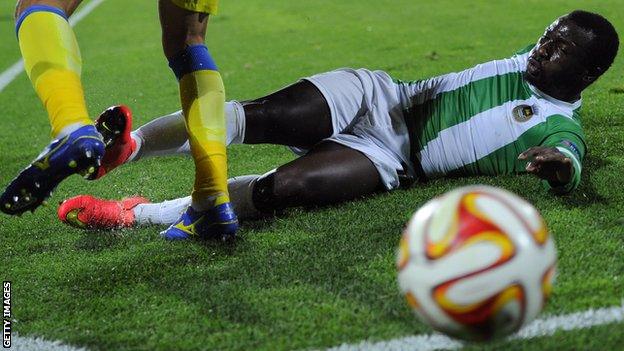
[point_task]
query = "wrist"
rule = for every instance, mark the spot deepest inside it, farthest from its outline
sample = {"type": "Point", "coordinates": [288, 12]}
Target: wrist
{"type": "Point", "coordinates": [566, 174]}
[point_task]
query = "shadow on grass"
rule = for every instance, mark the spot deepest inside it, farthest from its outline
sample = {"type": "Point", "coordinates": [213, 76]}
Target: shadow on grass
{"type": "Point", "coordinates": [319, 260]}
{"type": "Point", "coordinates": [260, 224]}
{"type": "Point", "coordinates": [102, 240]}
{"type": "Point", "coordinates": [531, 188]}
{"type": "Point", "coordinates": [335, 262]}
{"type": "Point", "coordinates": [99, 240]}
{"type": "Point", "coordinates": [586, 194]}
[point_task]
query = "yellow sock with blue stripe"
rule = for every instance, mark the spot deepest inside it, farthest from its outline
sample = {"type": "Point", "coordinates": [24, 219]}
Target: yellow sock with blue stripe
{"type": "Point", "coordinates": [53, 64]}
{"type": "Point", "coordinates": [203, 96]}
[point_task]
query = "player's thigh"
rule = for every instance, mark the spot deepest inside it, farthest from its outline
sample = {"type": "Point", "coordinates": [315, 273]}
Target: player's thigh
{"type": "Point", "coordinates": [181, 25]}
{"type": "Point", "coordinates": [297, 115]}
{"type": "Point", "coordinates": [68, 6]}
{"type": "Point", "coordinates": [329, 173]}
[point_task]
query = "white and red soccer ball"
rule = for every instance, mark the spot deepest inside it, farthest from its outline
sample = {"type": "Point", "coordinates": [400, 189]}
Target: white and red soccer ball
{"type": "Point", "coordinates": [476, 263]}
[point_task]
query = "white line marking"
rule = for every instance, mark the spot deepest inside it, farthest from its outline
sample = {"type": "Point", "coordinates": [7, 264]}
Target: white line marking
{"type": "Point", "coordinates": [10, 74]}
{"type": "Point", "coordinates": [84, 11]}
{"type": "Point", "coordinates": [20, 343]}
{"type": "Point", "coordinates": [538, 328]}
{"type": "Point", "coordinates": [17, 68]}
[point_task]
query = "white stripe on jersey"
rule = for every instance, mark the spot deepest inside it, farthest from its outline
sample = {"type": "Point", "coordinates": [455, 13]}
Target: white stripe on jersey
{"type": "Point", "coordinates": [429, 89]}
{"type": "Point", "coordinates": [484, 133]}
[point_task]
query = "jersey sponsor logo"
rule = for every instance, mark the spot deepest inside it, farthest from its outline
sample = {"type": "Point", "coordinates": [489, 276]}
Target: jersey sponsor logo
{"type": "Point", "coordinates": [523, 113]}
{"type": "Point", "coordinates": [572, 147]}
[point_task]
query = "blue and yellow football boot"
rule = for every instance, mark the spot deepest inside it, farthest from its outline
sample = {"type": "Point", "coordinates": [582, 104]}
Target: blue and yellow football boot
{"type": "Point", "coordinates": [79, 152]}
{"type": "Point", "coordinates": [217, 222]}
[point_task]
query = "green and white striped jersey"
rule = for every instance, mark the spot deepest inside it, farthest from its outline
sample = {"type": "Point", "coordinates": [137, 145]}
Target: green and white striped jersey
{"type": "Point", "coordinates": [477, 121]}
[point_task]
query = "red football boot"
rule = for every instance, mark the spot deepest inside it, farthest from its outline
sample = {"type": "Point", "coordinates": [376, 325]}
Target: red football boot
{"type": "Point", "coordinates": [88, 212]}
{"type": "Point", "coordinates": [115, 125]}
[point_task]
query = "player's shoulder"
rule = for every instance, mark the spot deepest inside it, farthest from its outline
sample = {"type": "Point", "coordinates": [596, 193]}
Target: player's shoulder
{"type": "Point", "coordinates": [564, 124]}
{"type": "Point", "coordinates": [557, 120]}
{"type": "Point", "coordinates": [503, 66]}
{"type": "Point", "coordinates": [559, 116]}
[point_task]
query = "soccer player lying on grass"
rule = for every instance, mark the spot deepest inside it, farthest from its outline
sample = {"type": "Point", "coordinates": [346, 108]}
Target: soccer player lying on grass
{"type": "Point", "coordinates": [360, 132]}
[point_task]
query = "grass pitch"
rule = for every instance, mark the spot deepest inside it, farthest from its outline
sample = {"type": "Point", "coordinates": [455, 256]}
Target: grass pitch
{"type": "Point", "coordinates": [310, 279]}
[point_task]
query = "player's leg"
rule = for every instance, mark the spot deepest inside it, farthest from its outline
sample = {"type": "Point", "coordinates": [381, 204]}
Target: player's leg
{"type": "Point", "coordinates": [52, 59]}
{"type": "Point", "coordinates": [202, 97]}
{"type": "Point", "coordinates": [88, 212]}
{"type": "Point", "coordinates": [162, 136]}
{"type": "Point", "coordinates": [53, 64]}
{"type": "Point", "coordinates": [330, 173]}
{"type": "Point", "coordinates": [297, 115]}
{"type": "Point", "coordinates": [68, 6]}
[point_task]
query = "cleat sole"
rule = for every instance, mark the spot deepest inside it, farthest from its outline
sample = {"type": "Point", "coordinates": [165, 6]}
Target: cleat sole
{"type": "Point", "coordinates": [72, 219]}
{"type": "Point", "coordinates": [64, 157]}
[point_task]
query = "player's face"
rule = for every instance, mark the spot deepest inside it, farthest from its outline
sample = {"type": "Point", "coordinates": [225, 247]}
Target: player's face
{"type": "Point", "coordinates": [556, 65]}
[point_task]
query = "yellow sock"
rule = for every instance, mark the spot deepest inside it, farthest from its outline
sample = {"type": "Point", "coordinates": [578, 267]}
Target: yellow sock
{"type": "Point", "coordinates": [53, 64]}
{"type": "Point", "coordinates": [203, 96]}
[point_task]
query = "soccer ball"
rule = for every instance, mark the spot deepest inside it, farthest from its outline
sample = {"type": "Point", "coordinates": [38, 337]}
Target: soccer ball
{"type": "Point", "coordinates": [476, 263]}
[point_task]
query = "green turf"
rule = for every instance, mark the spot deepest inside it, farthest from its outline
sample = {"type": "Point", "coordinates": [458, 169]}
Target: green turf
{"type": "Point", "coordinates": [309, 279]}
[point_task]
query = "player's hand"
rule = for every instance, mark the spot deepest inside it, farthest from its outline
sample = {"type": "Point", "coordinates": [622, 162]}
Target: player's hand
{"type": "Point", "coordinates": [548, 163]}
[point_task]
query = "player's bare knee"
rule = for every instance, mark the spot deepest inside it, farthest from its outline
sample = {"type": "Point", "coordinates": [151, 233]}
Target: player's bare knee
{"type": "Point", "coordinates": [174, 43]}
{"type": "Point", "coordinates": [194, 39]}
{"type": "Point", "coordinates": [67, 6]}
{"type": "Point", "coordinates": [195, 29]}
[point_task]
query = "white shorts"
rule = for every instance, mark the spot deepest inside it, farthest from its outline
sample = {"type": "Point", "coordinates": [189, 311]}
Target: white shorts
{"type": "Point", "coordinates": [367, 116]}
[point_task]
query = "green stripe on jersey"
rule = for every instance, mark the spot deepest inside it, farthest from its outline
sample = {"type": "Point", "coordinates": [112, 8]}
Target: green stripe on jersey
{"type": "Point", "coordinates": [456, 106]}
